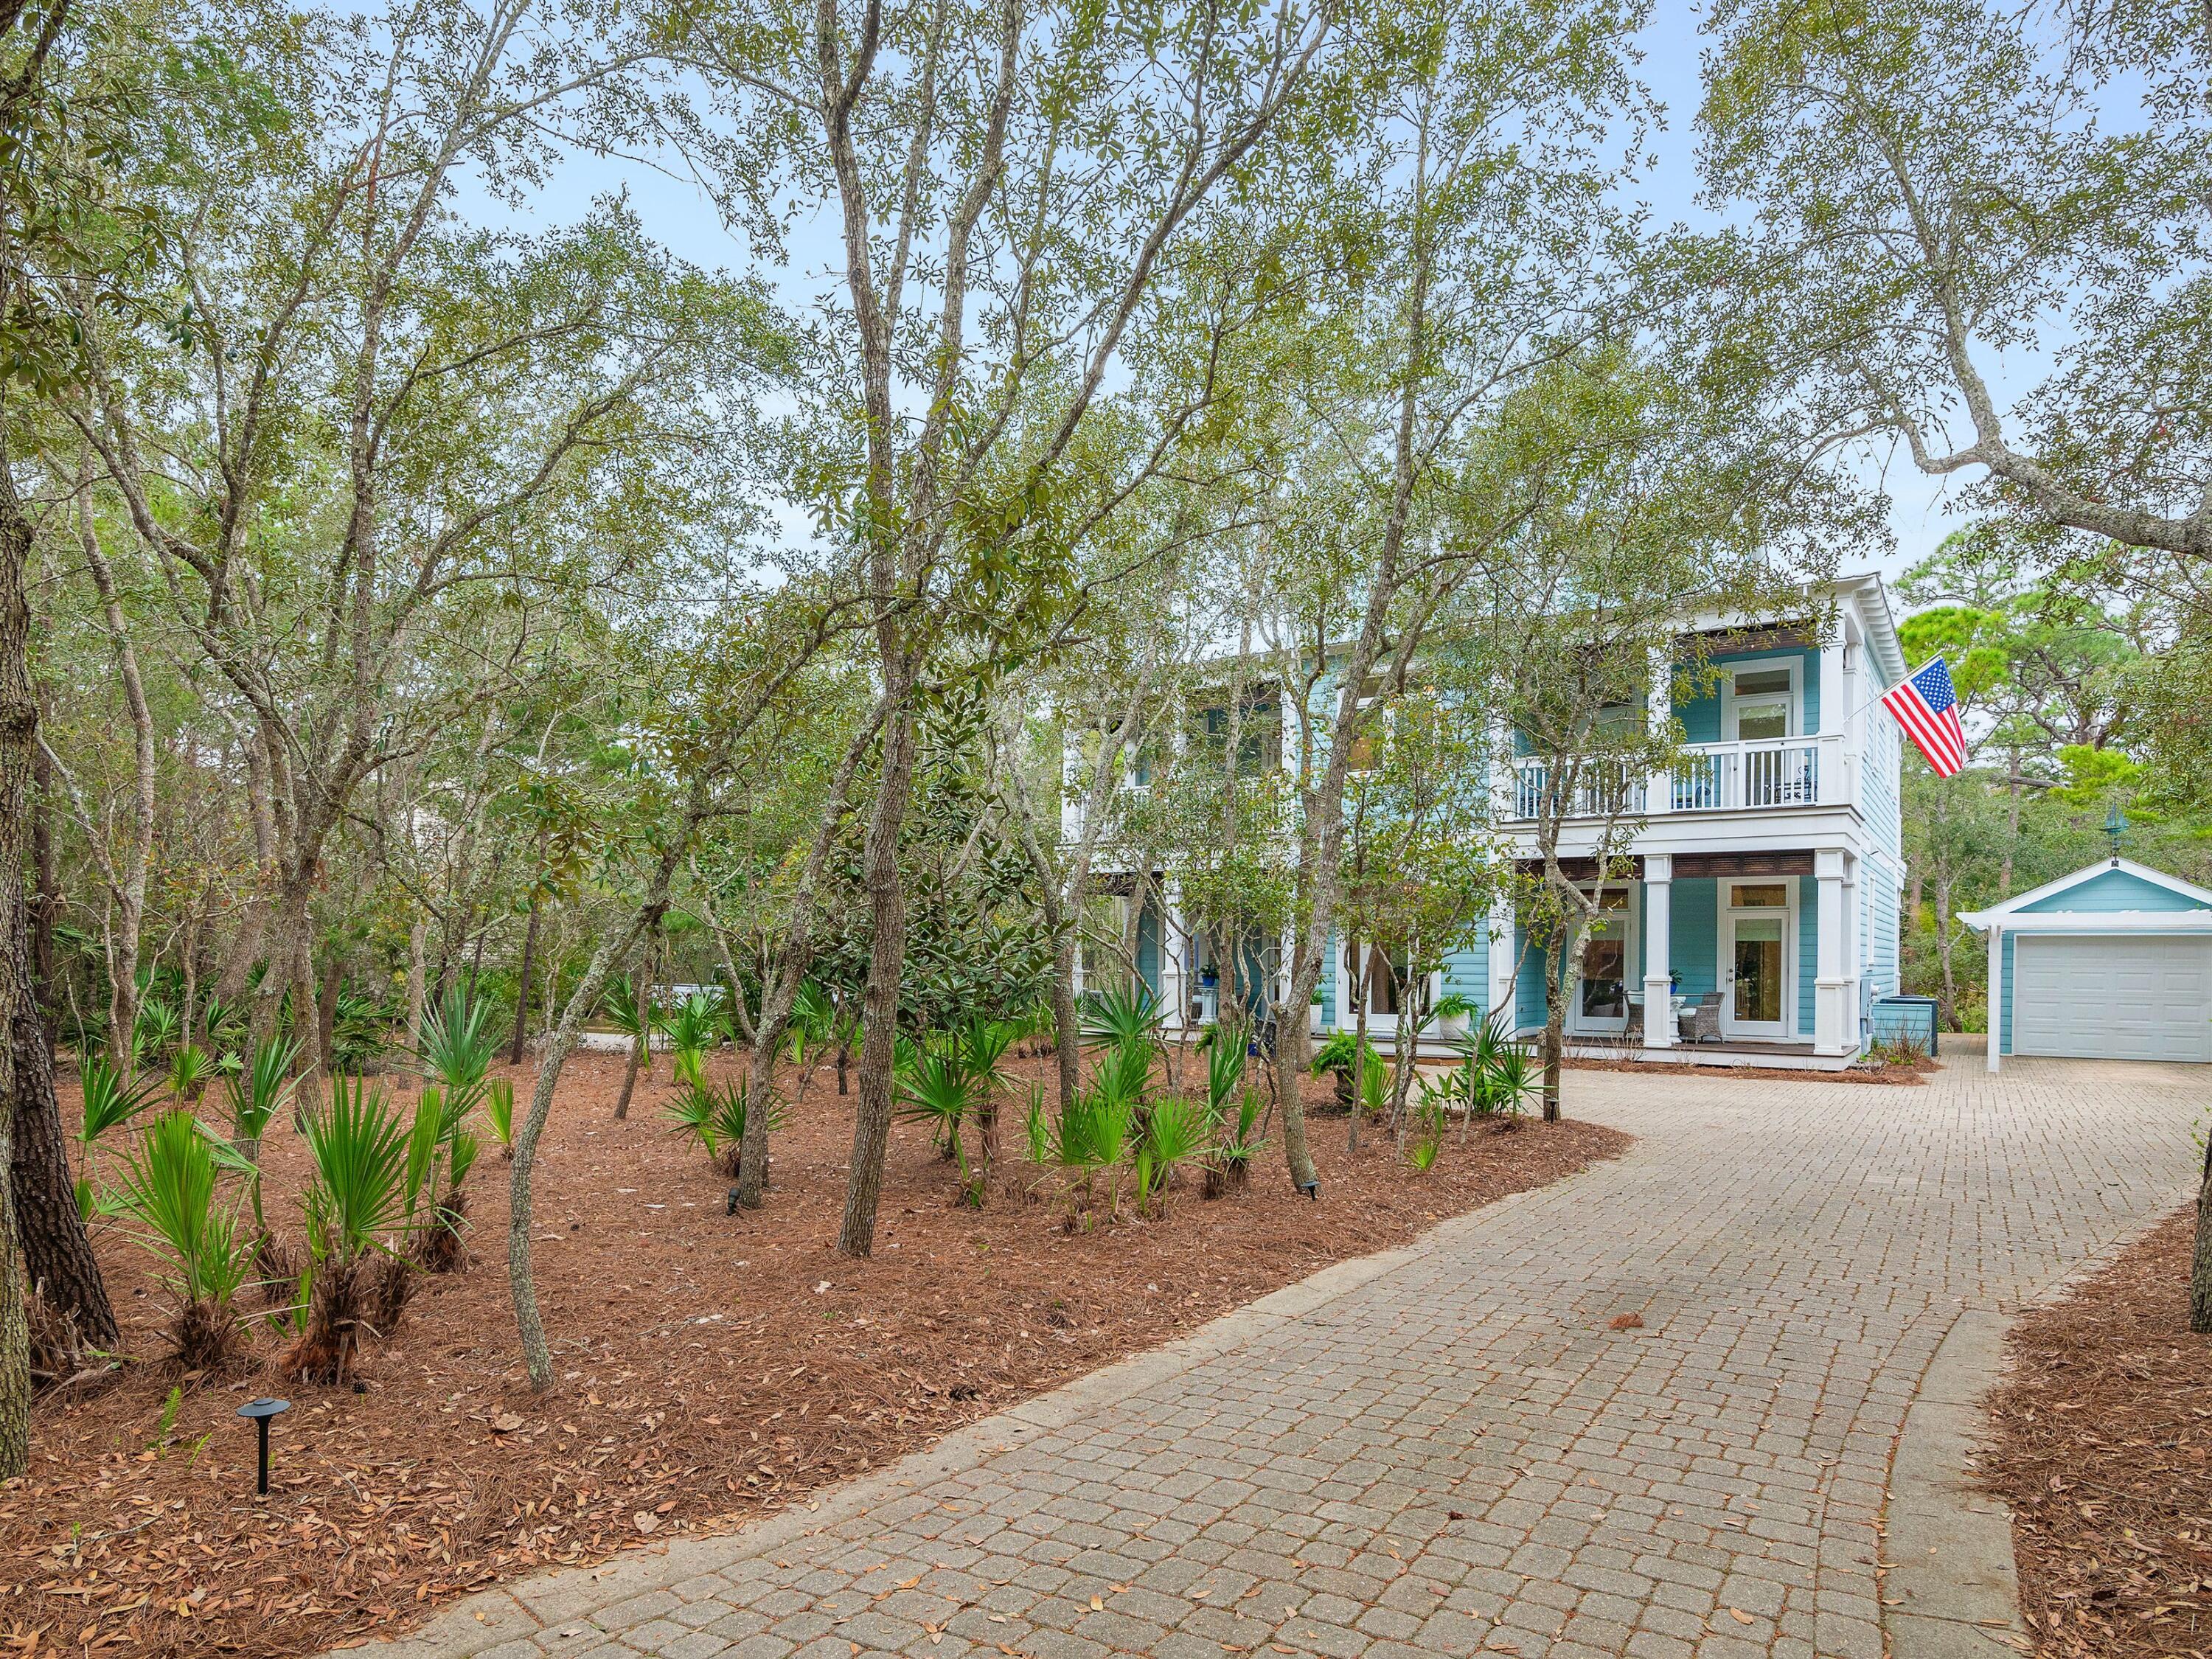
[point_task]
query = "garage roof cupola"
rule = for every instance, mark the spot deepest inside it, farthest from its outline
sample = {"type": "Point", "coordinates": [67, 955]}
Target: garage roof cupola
{"type": "Point", "coordinates": [2112, 962]}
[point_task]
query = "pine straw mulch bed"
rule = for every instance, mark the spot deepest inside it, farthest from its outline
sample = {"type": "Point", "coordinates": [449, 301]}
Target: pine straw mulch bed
{"type": "Point", "coordinates": [2103, 1448]}
{"type": "Point", "coordinates": [710, 1367]}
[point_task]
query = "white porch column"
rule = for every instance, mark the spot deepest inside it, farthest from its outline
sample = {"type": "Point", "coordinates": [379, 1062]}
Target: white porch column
{"type": "Point", "coordinates": [1659, 715]}
{"type": "Point", "coordinates": [1503, 954]}
{"type": "Point", "coordinates": [1835, 706]}
{"type": "Point", "coordinates": [1175, 982]}
{"type": "Point", "coordinates": [1996, 993]}
{"type": "Point", "coordinates": [1499, 739]}
{"type": "Point", "coordinates": [1835, 993]}
{"type": "Point", "coordinates": [1659, 1031]}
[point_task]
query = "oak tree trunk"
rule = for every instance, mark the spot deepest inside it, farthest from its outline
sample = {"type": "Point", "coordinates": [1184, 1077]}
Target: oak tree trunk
{"type": "Point", "coordinates": [886, 889]}
{"type": "Point", "coordinates": [418, 940]}
{"type": "Point", "coordinates": [640, 1047]}
{"type": "Point", "coordinates": [522, 989]}
{"type": "Point", "coordinates": [560, 1043]}
{"type": "Point", "coordinates": [56, 1255]}
{"type": "Point", "coordinates": [1555, 1025]}
{"type": "Point", "coordinates": [1067, 1029]}
{"type": "Point", "coordinates": [326, 1016]}
{"type": "Point", "coordinates": [18, 717]}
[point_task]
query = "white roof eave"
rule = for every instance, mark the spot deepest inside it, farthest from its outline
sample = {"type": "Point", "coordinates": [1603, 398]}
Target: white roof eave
{"type": "Point", "coordinates": [2014, 916]}
{"type": "Point", "coordinates": [2091, 921]}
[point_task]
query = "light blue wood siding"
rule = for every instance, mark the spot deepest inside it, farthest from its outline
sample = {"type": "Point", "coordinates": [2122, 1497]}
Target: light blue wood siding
{"type": "Point", "coordinates": [1148, 948]}
{"type": "Point", "coordinates": [1881, 957]}
{"type": "Point", "coordinates": [1327, 982]}
{"type": "Point", "coordinates": [2113, 890]}
{"type": "Point", "coordinates": [1808, 949]}
{"type": "Point", "coordinates": [1878, 786]}
{"type": "Point", "coordinates": [1467, 971]}
{"type": "Point", "coordinates": [1695, 950]}
{"type": "Point", "coordinates": [1528, 985]}
{"type": "Point", "coordinates": [1701, 716]}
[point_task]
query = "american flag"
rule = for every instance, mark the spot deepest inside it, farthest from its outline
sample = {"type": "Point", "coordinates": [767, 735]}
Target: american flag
{"type": "Point", "coordinates": [1927, 708]}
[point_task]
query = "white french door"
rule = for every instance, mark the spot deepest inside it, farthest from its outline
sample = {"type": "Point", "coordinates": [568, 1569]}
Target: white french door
{"type": "Point", "coordinates": [1598, 1005]}
{"type": "Point", "coordinates": [1759, 938]}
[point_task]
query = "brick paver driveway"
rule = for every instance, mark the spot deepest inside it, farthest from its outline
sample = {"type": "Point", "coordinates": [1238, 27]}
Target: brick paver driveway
{"type": "Point", "coordinates": [1447, 1449]}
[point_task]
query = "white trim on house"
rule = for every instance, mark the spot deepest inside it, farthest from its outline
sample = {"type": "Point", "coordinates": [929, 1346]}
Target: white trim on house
{"type": "Point", "coordinates": [2009, 914]}
{"type": "Point", "coordinates": [2095, 922]}
{"type": "Point", "coordinates": [1629, 915]}
{"type": "Point", "coordinates": [1432, 992]}
{"type": "Point", "coordinates": [1786, 1029]}
{"type": "Point", "coordinates": [1793, 666]}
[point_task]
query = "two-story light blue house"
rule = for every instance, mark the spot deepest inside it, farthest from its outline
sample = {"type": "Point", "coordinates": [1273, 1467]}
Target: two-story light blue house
{"type": "Point", "coordinates": [1760, 914]}
{"type": "Point", "coordinates": [1762, 918]}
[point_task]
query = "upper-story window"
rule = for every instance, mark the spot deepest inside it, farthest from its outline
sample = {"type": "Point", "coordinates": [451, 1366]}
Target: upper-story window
{"type": "Point", "coordinates": [1763, 701]}
{"type": "Point", "coordinates": [1259, 742]}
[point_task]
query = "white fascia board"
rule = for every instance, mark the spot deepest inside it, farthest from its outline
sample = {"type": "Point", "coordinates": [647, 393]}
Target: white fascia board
{"type": "Point", "coordinates": [2005, 912]}
{"type": "Point", "coordinates": [2091, 921]}
{"type": "Point", "coordinates": [1880, 620]}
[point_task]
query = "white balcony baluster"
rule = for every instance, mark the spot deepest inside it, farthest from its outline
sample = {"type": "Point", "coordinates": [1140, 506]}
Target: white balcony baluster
{"type": "Point", "coordinates": [1711, 777]}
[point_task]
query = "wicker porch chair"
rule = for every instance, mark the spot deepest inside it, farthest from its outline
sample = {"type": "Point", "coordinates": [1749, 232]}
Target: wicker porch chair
{"type": "Point", "coordinates": [1706, 1018]}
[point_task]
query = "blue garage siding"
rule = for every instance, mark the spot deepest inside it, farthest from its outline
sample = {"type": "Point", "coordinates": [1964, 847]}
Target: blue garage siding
{"type": "Point", "coordinates": [2004, 995]}
{"type": "Point", "coordinates": [2114, 889]}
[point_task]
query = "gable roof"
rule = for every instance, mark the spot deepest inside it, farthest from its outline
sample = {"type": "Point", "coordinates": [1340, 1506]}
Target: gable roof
{"type": "Point", "coordinates": [2111, 894]}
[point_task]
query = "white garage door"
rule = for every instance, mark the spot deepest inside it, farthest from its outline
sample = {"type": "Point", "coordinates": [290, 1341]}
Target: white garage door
{"type": "Point", "coordinates": [2112, 999]}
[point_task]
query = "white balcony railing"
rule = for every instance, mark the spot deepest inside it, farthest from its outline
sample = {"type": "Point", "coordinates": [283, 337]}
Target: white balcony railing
{"type": "Point", "coordinates": [1606, 789]}
{"type": "Point", "coordinates": [1709, 777]}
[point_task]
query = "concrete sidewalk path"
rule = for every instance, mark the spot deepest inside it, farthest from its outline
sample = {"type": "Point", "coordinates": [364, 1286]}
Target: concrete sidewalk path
{"type": "Point", "coordinates": [1447, 1450]}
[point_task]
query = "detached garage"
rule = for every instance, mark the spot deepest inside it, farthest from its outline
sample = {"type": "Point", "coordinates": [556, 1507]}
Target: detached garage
{"type": "Point", "coordinates": [2113, 961]}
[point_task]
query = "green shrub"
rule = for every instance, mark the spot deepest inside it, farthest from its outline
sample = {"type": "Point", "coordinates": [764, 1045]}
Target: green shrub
{"type": "Point", "coordinates": [111, 1100]}
{"type": "Point", "coordinates": [1117, 1018]}
{"type": "Point", "coordinates": [694, 1024]}
{"type": "Point", "coordinates": [168, 1190]}
{"type": "Point", "coordinates": [715, 1115]}
{"type": "Point", "coordinates": [368, 1172]}
{"type": "Point", "coordinates": [158, 1030]}
{"type": "Point", "coordinates": [358, 1028]}
{"type": "Point", "coordinates": [457, 1048]}
{"type": "Point", "coordinates": [189, 1068]}
{"type": "Point", "coordinates": [629, 1008]}
{"type": "Point", "coordinates": [1176, 1132]}
{"type": "Point", "coordinates": [256, 1092]}
{"type": "Point", "coordinates": [1237, 1141]}
{"type": "Point", "coordinates": [499, 1112]}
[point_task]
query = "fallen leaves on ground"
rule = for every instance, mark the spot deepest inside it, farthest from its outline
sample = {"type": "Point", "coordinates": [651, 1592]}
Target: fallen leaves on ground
{"type": "Point", "coordinates": [710, 1368]}
{"type": "Point", "coordinates": [2103, 1448]}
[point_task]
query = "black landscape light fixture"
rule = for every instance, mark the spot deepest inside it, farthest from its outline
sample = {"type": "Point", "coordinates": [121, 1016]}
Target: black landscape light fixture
{"type": "Point", "coordinates": [732, 1208]}
{"type": "Point", "coordinates": [1311, 1189]}
{"type": "Point", "coordinates": [261, 1411]}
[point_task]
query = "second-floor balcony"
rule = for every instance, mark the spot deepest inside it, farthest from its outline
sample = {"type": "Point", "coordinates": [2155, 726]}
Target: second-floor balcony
{"type": "Point", "coordinates": [1753, 774]}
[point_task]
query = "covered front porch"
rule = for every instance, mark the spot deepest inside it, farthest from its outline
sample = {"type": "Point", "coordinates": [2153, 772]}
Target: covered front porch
{"type": "Point", "coordinates": [1708, 959]}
